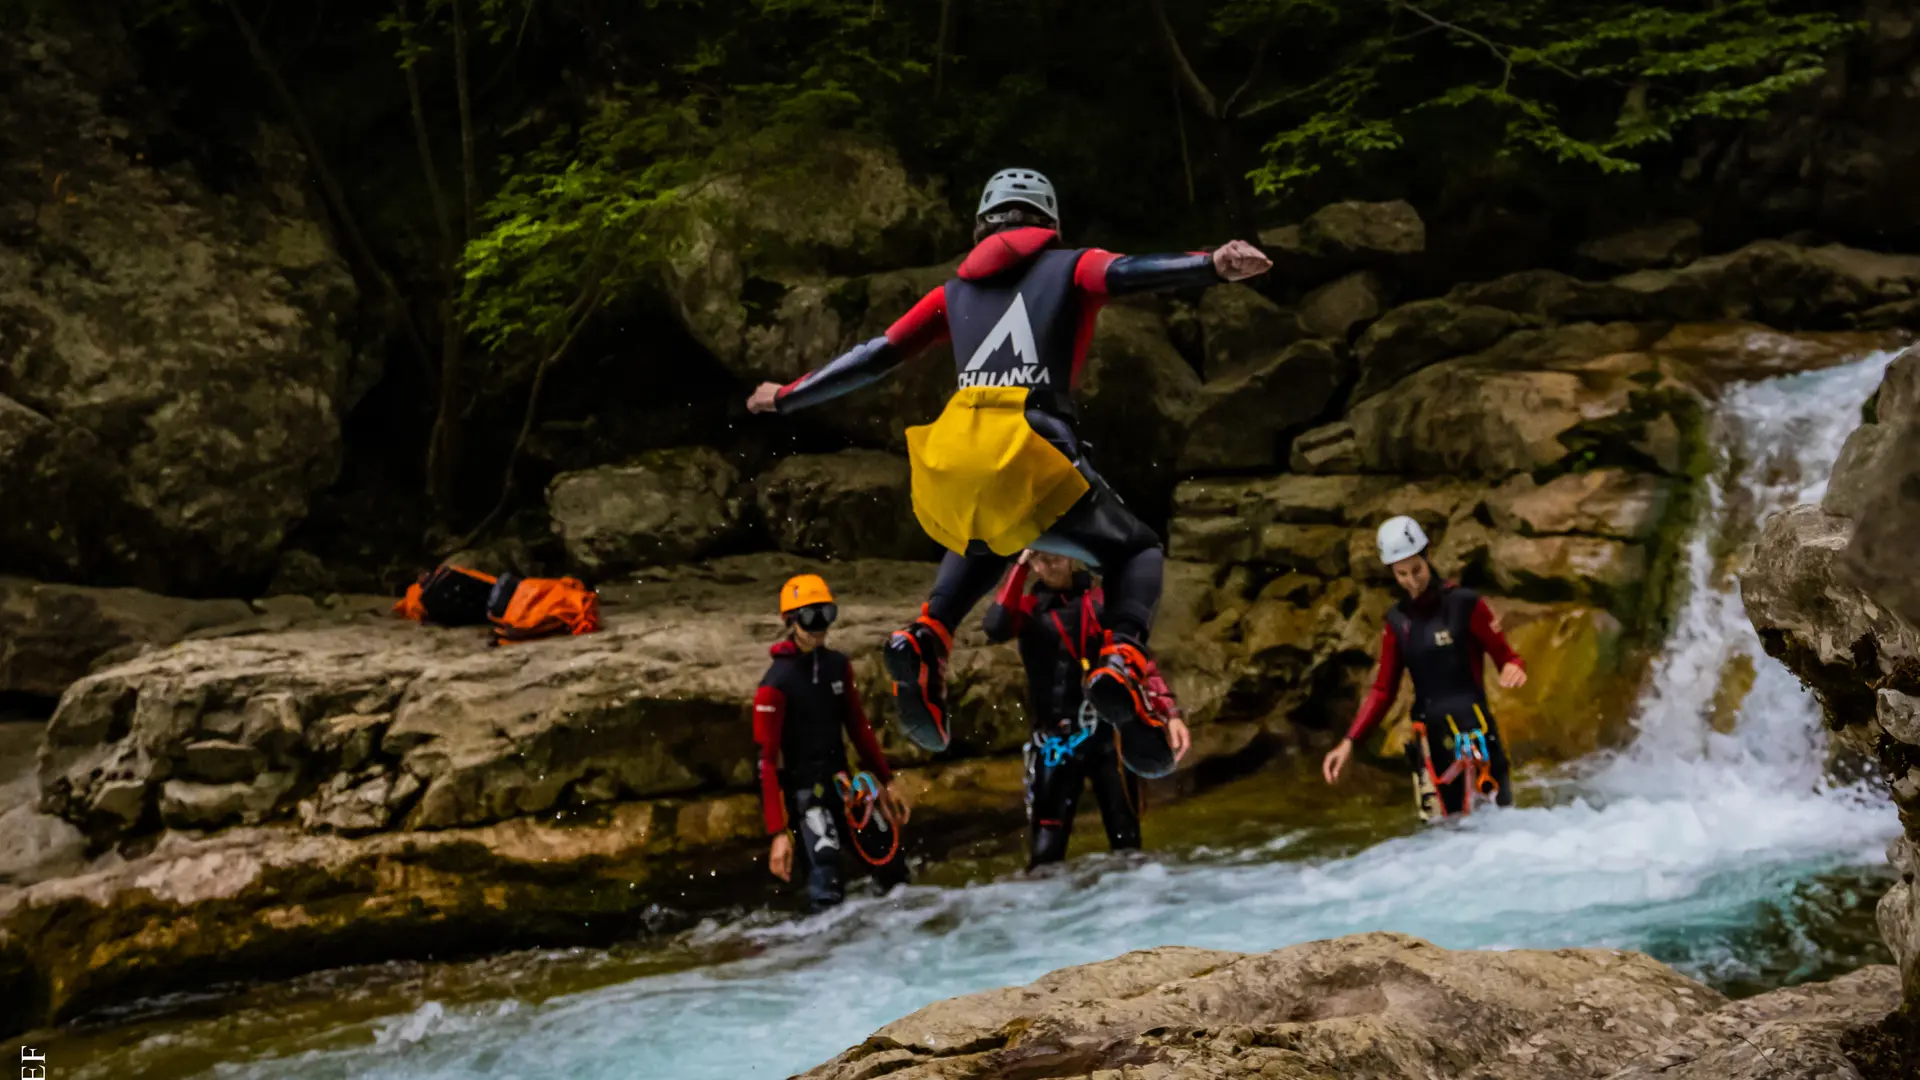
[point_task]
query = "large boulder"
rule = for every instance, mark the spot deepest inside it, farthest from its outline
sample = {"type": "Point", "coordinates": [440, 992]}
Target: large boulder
{"type": "Point", "coordinates": [855, 504]}
{"type": "Point", "coordinates": [1368, 1007]}
{"type": "Point", "coordinates": [1651, 247]}
{"type": "Point", "coordinates": [1243, 421]}
{"type": "Point", "coordinates": [177, 358]}
{"type": "Point", "coordinates": [1336, 309]}
{"type": "Point", "coordinates": [1241, 330]}
{"type": "Point", "coordinates": [1617, 503]}
{"type": "Point", "coordinates": [1882, 482]}
{"type": "Point", "coordinates": [1482, 416]}
{"type": "Point", "coordinates": [1362, 232]}
{"type": "Point", "coordinates": [1425, 332]}
{"type": "Point", "coordinates": [1138, 396]}
{"type": "Point", "coordinates": [52, 635]}
{"type": "Point", "coordinates": [779, 274]}
{"type": "Point", "coordinates": [666, 506]}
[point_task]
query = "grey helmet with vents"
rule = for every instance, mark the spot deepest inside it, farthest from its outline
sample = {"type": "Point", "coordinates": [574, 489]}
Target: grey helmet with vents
{"type": "Point", "coordinates": [1009, 187]}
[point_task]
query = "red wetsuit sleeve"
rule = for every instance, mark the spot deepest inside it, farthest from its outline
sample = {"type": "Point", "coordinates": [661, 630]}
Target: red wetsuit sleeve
{"type": "Point", "coordinates": [861, 732]}
{"type": "Point", "coordinates": [1379, 697]}
{"type": "Point", "coordinates": [867, 363]}
{"type": "Point", "coordinates": [1008, 613]}
{"type": "Point", "coordinates": [923, 326]}
{"type": "Point", "coordinates": [769, 713]}
{"type": "Point", "coordinates": [1486, 630]}
{"type": "Point", "coordinates": [1090, 273]}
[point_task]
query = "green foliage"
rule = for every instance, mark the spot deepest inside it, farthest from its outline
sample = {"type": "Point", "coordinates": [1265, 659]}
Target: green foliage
{"type": "Point", "coordinates": [1583, 82]}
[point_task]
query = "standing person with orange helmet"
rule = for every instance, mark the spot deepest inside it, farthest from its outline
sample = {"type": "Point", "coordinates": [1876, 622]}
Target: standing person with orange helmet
{"type": "Point", "coordinates": [805, 702]}
{"type": "Point", "coordinates": [1440, 635]}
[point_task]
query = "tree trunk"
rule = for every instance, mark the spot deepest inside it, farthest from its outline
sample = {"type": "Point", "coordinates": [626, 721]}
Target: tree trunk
{"type": "Point", "coordinates": [943, 43]}
{"type": "Point", "coordinates": [469, 173]}
{"type": "Point", "coordinates": [335, 196]}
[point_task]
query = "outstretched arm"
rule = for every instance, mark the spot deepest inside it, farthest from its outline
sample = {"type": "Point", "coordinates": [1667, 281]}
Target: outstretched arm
{"type": "Point", "coordinates": [1103, 273]}
{"type": "Point", "coordinates": [864, 364]}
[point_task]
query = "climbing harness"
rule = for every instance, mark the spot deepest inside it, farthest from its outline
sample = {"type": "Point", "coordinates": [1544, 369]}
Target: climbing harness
{"type": "Point", "coordinates": [860, 801]}
{"type": "Point", "coordinates": [1471, 761]}
{"type": "Point", "coordinates": [1056, 749]}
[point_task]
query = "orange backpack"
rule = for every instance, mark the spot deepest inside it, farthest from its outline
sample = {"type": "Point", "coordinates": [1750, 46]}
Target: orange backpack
{"type": "Point", "coordinates": [451, 595]}
{"type": "Point", "coordinates": [546, 607]}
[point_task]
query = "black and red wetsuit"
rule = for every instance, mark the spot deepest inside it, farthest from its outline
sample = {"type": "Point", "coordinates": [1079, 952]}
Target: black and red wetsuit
{"type": "Point", "coordinates": [1060, 634]}
{"type": "Point", "coordinates": [1020, 312]}
{"type": "Point", "coordinates": [1441, 638]}
{"type": "Point", "coordinates": [805, 702]}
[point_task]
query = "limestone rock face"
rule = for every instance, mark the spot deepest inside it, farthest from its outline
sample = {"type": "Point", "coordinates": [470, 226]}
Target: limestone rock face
{"type": "Point", "coordinates": [1241, 329]}
{"type": "Point", "coordinates": [52, 635]}
{"type": "Point", "coordinates": [176, 361]}
{"type": "Point", "coordinates": [1651, 247]}
{"type": "Point", "coordinates": [1335, 310]}
{"type": "Point", "coordinates": [1137, 397]}
{"type": "Point", "coordinates": [1425, 332]}
{"type": "Point", "coordinates": [855, 504]}
{"type": "Point", "coordinates": [667, 506]}
{"type": "Point", "coordinates": [1242, 421]}
{"type": "Point", "coordinates": [1370, 1007]}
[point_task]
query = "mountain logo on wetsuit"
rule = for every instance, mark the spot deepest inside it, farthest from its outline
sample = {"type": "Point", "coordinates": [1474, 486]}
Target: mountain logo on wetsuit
{"type": "Point", "coordinates": [1443, 637]}
{"type": "Point", "coordinates": [1015, 329]}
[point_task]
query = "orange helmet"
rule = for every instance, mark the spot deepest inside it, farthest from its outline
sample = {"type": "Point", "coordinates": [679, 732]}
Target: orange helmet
{"type": "Point", "coordinates": [801, 591]}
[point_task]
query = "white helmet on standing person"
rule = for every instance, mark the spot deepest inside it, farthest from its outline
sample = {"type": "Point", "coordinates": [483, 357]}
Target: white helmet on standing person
{"type": "Point", "coordinates": [1400, 538]}
{"type": "Point", "coordinates": [1019, 186]}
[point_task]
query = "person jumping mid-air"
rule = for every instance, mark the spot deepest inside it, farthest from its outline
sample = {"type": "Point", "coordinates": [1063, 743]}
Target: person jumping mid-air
{"type": "Point", "coordinates": [805, 701]}
{"type": "Point", "coordinates": [1058, 628]}
{"type": "Point", "coordinates": [1438, 635]}
{"type": "Point", "coordinates": [1003, 468]}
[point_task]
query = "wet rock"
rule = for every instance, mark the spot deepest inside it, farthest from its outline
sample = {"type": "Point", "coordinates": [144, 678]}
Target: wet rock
{"type": "Point", "coordinates": [1795, 1033]}
{"type": "Point", "coordinates": [1362, 232]}
{"type": "Point", "coordinates": [1242, 422]}
{"type": "Point", "coordinates": [1138, 396]}
{"type": "Point", "coordinates": [1242, 330]}
{"type": "Point", "coordinates": [51, 635]}
{"type": "Point", "coordinates": [1379, 1007]}
{"type": "Point", "coordinates": [1425, 332]}
{"type": "Point", "coordinates": [180, 356]}
{"type": "Point", "coordinates": [1335, 310]}
{"type": "Point", "coordinates": [1614, 503]}
{"type": "Point", "coordinates": [667, 506]}
{"type": "Point", "coordinates": [855, 504]}
{"type": "Point", "coordinates": [1477, 416]}
{"type": "Point", "coordinates": [1723, 352]}
{"type": "Point", "coordinates": [1878, 479]}
{"type": "Point", "coordinates": [1652, 247]}
{"type": "Point", "coordinates": [217, 761]}
{"type": "Point", "coordinates": [1569, 567]}
{"type": "Point", "coordinates": [1551, 296]}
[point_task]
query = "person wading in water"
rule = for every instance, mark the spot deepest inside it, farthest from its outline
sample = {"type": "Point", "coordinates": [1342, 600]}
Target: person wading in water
{"type": "Point", "coordinates": [1058, 627]}
{"type": "Point", "coordinates": [1003, 468]}
{"type": "Point", "coordinates": [806, 700]}
{"type": "Point", "coordinates": [1438, 635]}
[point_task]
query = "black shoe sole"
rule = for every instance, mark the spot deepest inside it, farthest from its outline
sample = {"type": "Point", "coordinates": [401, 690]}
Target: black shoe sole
{"type": "Point", "coordinates": [1143, 746]}
{"type": "Point", "coordinates": [918, 721]}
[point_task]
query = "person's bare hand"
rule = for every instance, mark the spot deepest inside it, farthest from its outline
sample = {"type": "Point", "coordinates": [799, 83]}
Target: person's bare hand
{"type": "Point", "coordinates": [765, 398]}
{"type": "Point", "coordinates": [780, 857]}
{"type": "Point", "coordinates": [1179, 738]}
{"type": "Point", "coordinates": [1513, 676]}
{"type": "Point", "coordinates": [1336, 760]}
{"type": "Point", "coordinates": [896, 805]}
{"type": "Point", "coordinates": [1238, 260]}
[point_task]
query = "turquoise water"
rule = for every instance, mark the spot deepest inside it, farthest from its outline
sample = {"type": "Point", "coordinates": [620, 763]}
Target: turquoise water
{"type": "Point", "coordinates": [1725, 853]}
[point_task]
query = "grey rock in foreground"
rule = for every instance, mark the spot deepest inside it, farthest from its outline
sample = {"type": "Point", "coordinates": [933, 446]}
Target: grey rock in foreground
{"type": "Point", "coordinates": [1374, 1006]}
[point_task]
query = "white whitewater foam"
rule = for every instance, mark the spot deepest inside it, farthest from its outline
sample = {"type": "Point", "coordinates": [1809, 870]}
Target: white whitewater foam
{"type": "Point", "coordinates": [1679, 842]}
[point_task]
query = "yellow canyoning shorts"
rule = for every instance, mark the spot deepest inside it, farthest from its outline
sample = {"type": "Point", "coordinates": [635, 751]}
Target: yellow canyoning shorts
{"type": "Point", "coordinates": [980, 472]}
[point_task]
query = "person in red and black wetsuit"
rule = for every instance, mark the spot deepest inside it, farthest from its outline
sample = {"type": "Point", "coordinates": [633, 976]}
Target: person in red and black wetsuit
{"type": "Point", "coordinates": [805, 701]}
{"type": "Point", "coordinates": [1439, 635]}
{"type": "Point", "coordinates": [1003, 468]}
{"type": "Point", "coordinates": [1058, 627]}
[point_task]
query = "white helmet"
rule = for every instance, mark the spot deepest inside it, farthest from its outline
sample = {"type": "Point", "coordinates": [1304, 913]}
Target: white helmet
{"type": "Point", "coordinates": [1400, 538]}
{"type": "Point", "coordinates": [1010, 186]}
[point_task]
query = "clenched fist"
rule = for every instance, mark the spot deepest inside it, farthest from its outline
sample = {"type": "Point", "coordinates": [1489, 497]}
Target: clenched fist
{"type": "Point", "coordinates": [1238, 260]}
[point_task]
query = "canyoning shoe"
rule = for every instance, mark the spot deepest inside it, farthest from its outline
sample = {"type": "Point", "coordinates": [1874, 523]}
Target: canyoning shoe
{"type": "Point", "coordinates": [916, 660]}
{"type": "Point", "coordinates": [1121, 691]}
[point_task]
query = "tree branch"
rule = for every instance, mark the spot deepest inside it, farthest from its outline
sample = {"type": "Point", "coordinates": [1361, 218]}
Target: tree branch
{"type": "Point", "coordinates": [1253, 75]}
{"type": "Point", "coordinates": [469, 174]}
{"type": "Point", "coordinates": [1184, 74]}
{"type": "Point", "coordinates": [336, 197]}
{"type": "Point", "coordinates": [579, 313]}
{"type": "Point", "coordinates": [1500, 54]}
